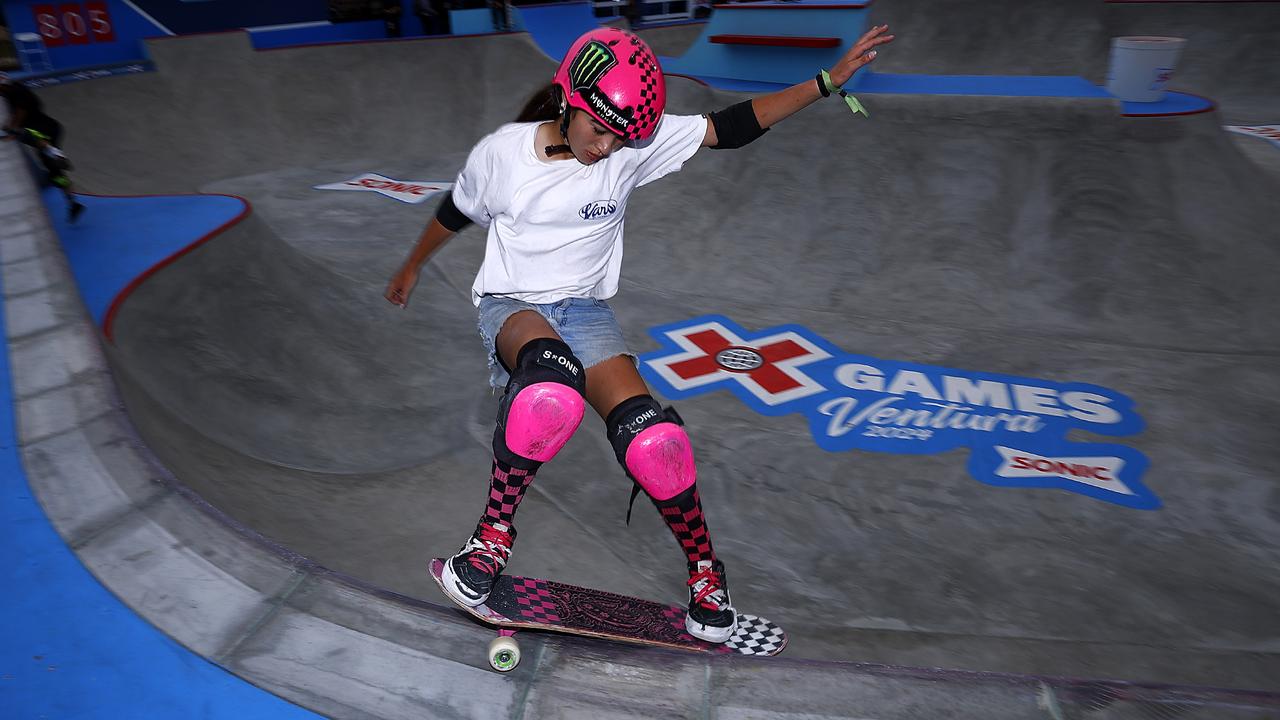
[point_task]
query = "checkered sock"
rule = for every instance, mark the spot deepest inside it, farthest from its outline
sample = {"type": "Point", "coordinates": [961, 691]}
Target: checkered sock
{"type": "Point", "coordinates": [683, 514]}
{"type": "Point", "coordinates": [506, 489]}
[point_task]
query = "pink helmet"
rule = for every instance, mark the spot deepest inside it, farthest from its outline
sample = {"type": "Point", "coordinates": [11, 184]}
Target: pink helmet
{"type": "Point", "coordinates": [614, 76]}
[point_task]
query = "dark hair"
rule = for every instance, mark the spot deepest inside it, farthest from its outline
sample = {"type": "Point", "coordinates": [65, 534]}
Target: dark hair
{"type": "Point", "coordinates": [542, 106]}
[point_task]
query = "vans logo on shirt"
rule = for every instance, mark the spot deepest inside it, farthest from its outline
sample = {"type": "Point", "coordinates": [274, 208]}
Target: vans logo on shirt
{"type": "Point", "coordinates": [598, 209]}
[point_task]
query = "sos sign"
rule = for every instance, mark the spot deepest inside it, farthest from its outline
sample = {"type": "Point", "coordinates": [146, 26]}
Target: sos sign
{"type": "Point", "coordinates": [74, 23]}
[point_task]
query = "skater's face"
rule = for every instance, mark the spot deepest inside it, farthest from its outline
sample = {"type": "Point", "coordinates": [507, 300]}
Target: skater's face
{"type": "Point", "coordinates": [591, 141]}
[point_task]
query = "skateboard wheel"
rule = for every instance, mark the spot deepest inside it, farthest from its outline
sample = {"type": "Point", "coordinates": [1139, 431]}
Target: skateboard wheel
{"type": "Point", "coordinates": [504, 654]}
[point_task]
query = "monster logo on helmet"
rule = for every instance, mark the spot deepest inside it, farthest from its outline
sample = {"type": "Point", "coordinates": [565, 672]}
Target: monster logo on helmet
{"type": "Point", "coordinates": [593, 61]}
{"type": "Point", "coordinates": [628, 98]}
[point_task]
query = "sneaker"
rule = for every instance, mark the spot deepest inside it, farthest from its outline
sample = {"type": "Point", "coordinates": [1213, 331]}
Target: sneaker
{"type": "Point", "coordinates": [469, 575]}
{"type": "Point", "coordinates": [74, 211]}
{"type": "Point", "coordinates": [57, 157]}
{"type": "Point", "coordinates": [711, 614]}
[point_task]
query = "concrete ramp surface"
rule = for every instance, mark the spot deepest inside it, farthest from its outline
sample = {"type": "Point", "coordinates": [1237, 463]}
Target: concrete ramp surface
{"type": "Point", "coordinates": [1046, 241]}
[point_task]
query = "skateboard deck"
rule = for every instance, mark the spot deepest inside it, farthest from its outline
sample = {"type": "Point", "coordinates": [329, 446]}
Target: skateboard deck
{"type": "Point", "coordinates": [520, 603]}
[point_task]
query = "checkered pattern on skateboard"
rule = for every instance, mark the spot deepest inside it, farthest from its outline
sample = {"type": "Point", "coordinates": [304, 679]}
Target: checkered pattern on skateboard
{"type": "Point", "coordinates": [534, 600]}
{"type": "Point", "coordinates": [756, 636]}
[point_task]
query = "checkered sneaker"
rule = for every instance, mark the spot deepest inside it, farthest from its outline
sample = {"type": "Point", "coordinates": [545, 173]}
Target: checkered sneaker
{"type": "Point", "coordinates": [756, 636]}
{"type": "Point", "coordinates": [535, 601]}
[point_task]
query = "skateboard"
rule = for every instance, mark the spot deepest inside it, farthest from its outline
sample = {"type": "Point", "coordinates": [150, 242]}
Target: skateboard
{"type": "Point", "coordinates": [520, 603]}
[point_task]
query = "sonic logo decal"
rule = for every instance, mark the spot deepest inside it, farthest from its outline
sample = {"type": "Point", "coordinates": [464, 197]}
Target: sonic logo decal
{"type": "Point", "coordinates": [1016, 427]}
{"type": "Point", "coordinates": [406, 191]}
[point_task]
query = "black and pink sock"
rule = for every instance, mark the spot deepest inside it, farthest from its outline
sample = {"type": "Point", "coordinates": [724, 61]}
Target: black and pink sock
{"type": "Point", "coordinates": [507, 486]}
{"type": "Point", "coordinates": [683, 514]}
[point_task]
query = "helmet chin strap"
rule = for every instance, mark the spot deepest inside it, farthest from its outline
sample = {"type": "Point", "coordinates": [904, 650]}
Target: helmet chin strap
{"type": "Point", "coordinates": [552, 150]}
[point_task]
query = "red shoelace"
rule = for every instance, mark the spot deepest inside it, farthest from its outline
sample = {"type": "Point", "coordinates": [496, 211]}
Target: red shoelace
{"type": "Point", "coordinates": [714, 583]}
{"type": "Point", "coordinates": [492, 557]}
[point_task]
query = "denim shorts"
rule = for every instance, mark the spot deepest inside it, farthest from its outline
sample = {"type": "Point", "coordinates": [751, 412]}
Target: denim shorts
{"type": "Point", "coordinates": [586, 325]}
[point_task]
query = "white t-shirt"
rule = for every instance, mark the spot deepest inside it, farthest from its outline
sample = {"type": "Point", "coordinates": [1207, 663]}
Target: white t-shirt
{"type": "Point", "coordinates": [555, 227]}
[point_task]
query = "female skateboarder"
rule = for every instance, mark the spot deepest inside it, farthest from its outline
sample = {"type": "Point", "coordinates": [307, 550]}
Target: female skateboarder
{"type": "Point", "coordinates": [552, 189]}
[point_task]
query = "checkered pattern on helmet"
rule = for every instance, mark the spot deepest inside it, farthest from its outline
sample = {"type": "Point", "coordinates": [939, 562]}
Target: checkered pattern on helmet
{"type": "Point", "coordinates": [535, 601]}
{"type": "Point", "coordinates": [684, 517]}
{"type": "Point", "coordinates": [506, 489]}
{"type": "Point", "coordinates": [646, 113]}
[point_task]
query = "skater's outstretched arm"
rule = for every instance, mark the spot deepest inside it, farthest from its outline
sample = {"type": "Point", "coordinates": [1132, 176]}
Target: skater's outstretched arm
{"type": "Point", "coordinates": [403, 282]}
{"type": "Point", "coordinates": [771, 109]}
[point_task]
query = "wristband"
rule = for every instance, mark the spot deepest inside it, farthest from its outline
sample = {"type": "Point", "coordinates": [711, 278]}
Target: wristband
{"type": "Point", "coordinates": [822, 87]}
{"type": "Point", "coordinates": [826, 87]}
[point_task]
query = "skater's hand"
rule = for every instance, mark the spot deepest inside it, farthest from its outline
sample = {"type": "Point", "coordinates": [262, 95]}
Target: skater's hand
{"type": "Point", "coordinates": [860, 54]}
{"type": "Point", "coordinates": [401, 286]}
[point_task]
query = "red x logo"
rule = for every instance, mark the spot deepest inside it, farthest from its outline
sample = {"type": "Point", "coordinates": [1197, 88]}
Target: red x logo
{"type": "Point", "coordinates": [765, 366]}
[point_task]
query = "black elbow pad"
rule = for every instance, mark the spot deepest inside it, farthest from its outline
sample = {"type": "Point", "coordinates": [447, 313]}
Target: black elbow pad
{"type": "Point", "coordinates": [736, 126]}
{"type": "Point", "coordinates": [450, 216]}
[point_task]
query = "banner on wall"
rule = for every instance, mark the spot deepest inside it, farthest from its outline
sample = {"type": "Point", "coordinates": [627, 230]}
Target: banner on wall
{"type": "Point", "coordinates": [56, 36]}
{"type": "Point", "coordinates": [1015, 427]}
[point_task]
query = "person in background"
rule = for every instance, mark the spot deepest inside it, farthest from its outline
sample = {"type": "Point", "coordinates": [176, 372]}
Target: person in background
{"type": "Point", "coordinates": [498, 10]}
{"type": "Point", "coordinates": [28, 123]}
{"type": "Point", "coordinates": [389, 11]}
{"type": "Point", "coordinates": [434, 16]}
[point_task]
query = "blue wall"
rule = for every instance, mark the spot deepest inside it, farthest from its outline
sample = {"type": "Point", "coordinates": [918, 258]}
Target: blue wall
{"type": "Point", "coordinates": [184, 16]}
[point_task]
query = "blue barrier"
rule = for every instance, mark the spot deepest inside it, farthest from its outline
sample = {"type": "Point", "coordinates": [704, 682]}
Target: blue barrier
{"type": "Point", "coordinates": [554, 27]}
{"type": "Point", "coordinates": [313, 33]}
{"type": "Point", "coordinates": [786, 65]}
{"type": "Point", "coordinates": [478, 21]}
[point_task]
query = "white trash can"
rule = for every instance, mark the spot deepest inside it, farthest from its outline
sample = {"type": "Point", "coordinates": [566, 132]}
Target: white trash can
{"type": "Point", "coordinates": [1140, 67]}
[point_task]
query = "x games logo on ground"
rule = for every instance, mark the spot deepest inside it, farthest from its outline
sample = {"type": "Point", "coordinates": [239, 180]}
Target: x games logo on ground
{"type": "Point", "coordinates": [1015, 427]}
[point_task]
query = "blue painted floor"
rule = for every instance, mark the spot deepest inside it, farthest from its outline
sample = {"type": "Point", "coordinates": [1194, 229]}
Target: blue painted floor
{"type": "Point", "coordinates": [71, 649]}
{"type": "Point", "coordinates": [119, 239]}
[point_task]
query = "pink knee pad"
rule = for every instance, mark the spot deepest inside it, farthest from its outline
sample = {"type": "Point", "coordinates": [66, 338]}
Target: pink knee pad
{"type": "Point", "coordinates": [660, 458]}
{"type": "Point", "coordinates": [541, 420]}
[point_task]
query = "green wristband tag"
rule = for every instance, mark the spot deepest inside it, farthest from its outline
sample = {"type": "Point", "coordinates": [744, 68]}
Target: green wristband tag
{"type": "Point", "coordinates": [854, 106]}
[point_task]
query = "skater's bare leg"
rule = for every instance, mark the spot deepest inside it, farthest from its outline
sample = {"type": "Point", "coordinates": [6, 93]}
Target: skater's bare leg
{"type": "Point", "coordinates": [611, 382]}
{"type": "Point", "coordinates": [519, 330]}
